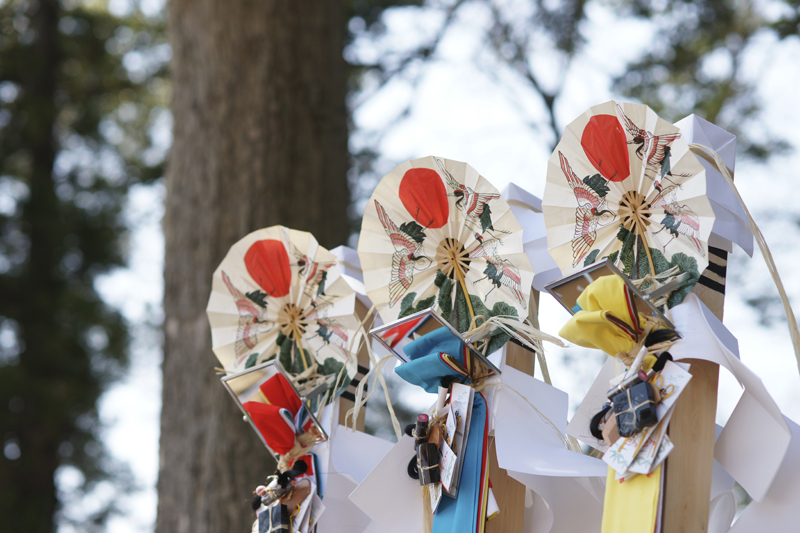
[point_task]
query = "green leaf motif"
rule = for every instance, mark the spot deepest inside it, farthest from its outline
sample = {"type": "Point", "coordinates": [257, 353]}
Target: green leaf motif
{"type": "Point", "coordinates": [685, 264]}
{"type": "Point", "coordinates": [406, 304]}
{"type": "Point", "coordinates": [425, 303]}
{"type": "Point", "coordinates": [445, 295]}
{"type": "Point", "coordinates": [486, 218]}
{"type": "Point", "coordinates": [413, 230]}
{"type": "Point", "coordinates": [285, 353]}
{"type": "Point", "coordinates": [626, 252]}
{"type": "Point", "coordinates": [591, 258]}
{"type": "Point", "coordinates": [598, 184]}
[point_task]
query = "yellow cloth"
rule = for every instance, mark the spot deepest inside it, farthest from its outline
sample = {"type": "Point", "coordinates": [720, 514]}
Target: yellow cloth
{"type": "Point", "coordinates": [632, 506]}
{"type": "Point", "coordinates": [608, 318]}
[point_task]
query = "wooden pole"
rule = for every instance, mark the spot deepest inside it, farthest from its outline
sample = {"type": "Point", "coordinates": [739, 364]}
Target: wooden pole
{"type": "Point", "coordinates": [687, 484]}
{"type": "Point", "coordinates": [509, 492]}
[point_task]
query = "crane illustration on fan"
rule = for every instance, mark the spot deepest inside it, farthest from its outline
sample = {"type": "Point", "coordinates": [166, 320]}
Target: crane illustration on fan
{"type": "Point", "coordinates": [279, 294]}
{"type": "Point", "coordinates": [437, 234]}
{"type": "Point", "coordinates": [641, 201]}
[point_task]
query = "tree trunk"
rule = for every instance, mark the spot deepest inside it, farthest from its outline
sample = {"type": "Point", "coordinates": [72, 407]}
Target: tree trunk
{"type": "Point", "coordinates": [260, 139]}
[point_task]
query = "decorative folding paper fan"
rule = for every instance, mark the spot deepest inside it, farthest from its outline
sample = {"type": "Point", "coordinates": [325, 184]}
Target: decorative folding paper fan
{"type": "Point", "coordinates": [278, 293]}
{"type": "Point", "coordinates": [622, 183]}
{"type": "Point", "coordinates": [435, 229]}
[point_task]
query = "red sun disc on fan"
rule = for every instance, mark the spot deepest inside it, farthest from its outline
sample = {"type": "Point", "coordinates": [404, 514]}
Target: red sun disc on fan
{"type": "Point", "coordinates": [268, 264]}
{"type": "Point", "coordinates": [424, 197]}
{"type": "Point", "coordinates": [606, 146]}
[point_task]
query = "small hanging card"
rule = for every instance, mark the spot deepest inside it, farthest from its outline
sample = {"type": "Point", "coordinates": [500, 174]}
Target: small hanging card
{"type": "Point", "coordinates": [643, 463]}
{"type": "Point", "coordinates": [461, 398]}
{"type": "Point", "coordinates": [620, 456]}
{"type": "Point", "coordinates": [447, 463]}
{"type": "Point", "coordinates": [673, 379]}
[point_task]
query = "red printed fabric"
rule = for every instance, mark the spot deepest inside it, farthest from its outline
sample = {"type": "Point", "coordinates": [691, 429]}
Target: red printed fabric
{"type": "Point", "coordinates": [275, 424]}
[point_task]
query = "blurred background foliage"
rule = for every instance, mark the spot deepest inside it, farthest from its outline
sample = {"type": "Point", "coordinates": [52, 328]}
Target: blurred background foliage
{"type": "Point", "coordinates": [81, 91]}
{"type": "Point", "coordinates": [84, 114]}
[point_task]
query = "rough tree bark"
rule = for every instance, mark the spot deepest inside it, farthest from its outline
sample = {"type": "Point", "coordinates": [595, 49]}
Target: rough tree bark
{"type": "Point", "coordinates": [260, 139]}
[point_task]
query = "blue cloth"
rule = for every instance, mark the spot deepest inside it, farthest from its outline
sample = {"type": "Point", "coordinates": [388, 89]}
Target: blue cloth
{"type": "Point", "coordinates": [426, 369]}
{"type": "Point", "coordinates": [461, 514]}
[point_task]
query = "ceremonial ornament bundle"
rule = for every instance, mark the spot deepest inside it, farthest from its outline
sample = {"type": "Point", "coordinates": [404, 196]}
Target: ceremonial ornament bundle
{"type": "Point", "coordinates": [436, 234]}
{"type": "Point", "coordinates": [629, 212]}
{"type": "Point", "coordinates": [622, 183]}
{"type": "Point", "coordinates": [279, 294]}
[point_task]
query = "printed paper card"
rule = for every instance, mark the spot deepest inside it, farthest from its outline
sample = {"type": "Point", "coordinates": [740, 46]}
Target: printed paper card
{"type": "Point", "coordinates": [664, 450]}
{"type": "Point", "coordinates": [461, 406]}
{"type": "Point", "coordinates": [450, 426]}
{"type": "Point", "coordinates": [621, 455]}
{"type": "Point", "coordinates": [447, 464]}
{"type": "Point", "coordinates": [673, 379]}
{"type": "Point", "coordinates": [643, 462]}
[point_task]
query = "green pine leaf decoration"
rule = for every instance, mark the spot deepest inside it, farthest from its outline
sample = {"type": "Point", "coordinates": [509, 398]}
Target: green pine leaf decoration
{"type": "Point", "coordinates": [413, 230]}
{"type": "Point", "coordinates": [486, 218]}
{"type": "Point", "coordinates": [598, 184]}
{"type": "Point", "coordinates": [332, 367]}
{"type": "Point", "coordinates": [406, 303]}
{"type": "Point", "coordinates": [504, 309]}
{"type": "Point", "coordinates": [258, 298]}
{"type": "Point", "coordinates": [285, 353]}
{"type": "Point", "coordinates": [660, 263]}
{"type": "Point", "coordinates": [440, 278]}
{"type": "Point", "coordinates": [425, 303]}
{"type": "Point", "coordinates": [685, 264]}
{"type": "Point", "coordinates": [591, 258]}
{"type": "Point", "coordinates": [445, 295]}
{"type": "Point", "coordinates": [626, 252]}
{"type": "Point", "coordinates": [613, 257]}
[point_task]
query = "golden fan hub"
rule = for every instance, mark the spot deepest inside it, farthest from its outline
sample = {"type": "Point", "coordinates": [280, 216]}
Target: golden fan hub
{"type": "Point", "coordinates": [450, 253]}
{"type": "Point", "coordinates": [291, 318]}
{"type": "Point", "coordinates": [634, 212]}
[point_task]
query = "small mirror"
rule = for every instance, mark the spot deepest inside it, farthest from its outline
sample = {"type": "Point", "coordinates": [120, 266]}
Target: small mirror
{"type": "Point", "coordinates": [567, 290]}
{"type": "Point", "coordinates": [268, 384]}
{"type": "Point", "coordinates": [427, 320]}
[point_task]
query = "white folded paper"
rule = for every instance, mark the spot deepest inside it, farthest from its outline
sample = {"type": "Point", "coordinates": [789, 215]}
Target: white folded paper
{"type": "Point", "coordinates": [527, 208]}
{"type": "Point", "coordinates": [756, 437]}
{"type": "Point", "coordinates": [731, 224]}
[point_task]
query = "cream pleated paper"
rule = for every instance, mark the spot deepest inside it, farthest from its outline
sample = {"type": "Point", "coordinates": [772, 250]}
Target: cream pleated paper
{"type": "Point", "coordinates": [279, 293]}
{"type": "Point", "coordinates": [426, 217]}
{"type": "Point", "coordinates": [619, 179]}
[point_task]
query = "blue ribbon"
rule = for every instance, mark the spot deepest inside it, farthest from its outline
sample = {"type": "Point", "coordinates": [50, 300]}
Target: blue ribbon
{"type": "Point", "coordinates": [426, 369]}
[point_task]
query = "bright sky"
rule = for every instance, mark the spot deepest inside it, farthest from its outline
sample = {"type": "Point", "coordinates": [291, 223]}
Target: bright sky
{"type": "Point", "coordinates": [461, 113]}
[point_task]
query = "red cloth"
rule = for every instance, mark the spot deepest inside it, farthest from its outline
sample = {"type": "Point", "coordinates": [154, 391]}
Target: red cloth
{"type": "Point", "coordinates": [274, 423]}
{"type": "Point", "coordinates": [278, 391]}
